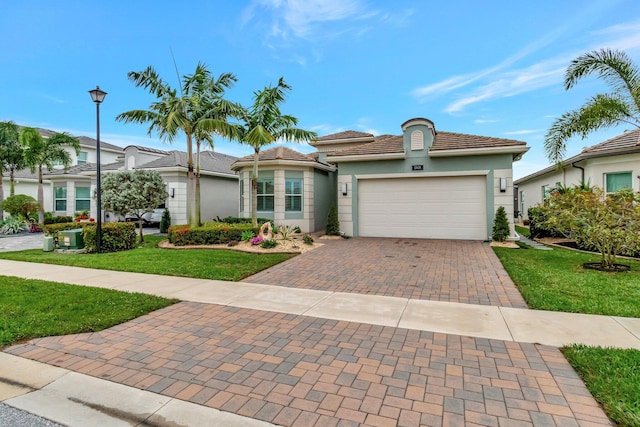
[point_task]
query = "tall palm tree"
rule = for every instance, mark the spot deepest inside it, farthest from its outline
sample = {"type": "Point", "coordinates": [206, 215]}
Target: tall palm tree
{"type": "Point", "coordinates": [187, 110]}
{"type": "Point", "coordinates": [263, 124]}
{"type": "Point", "coordinates": [621, 105]}
{"type": "Point", "coordinates": [11, 156]}
{"type": "Point", "coordinates": [40, 152]}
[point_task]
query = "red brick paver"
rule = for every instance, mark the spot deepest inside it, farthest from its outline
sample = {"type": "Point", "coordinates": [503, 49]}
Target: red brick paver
{"type": "Point", "coordinates": [440, 270]}
{"type": "Point", "coordinates": [304, 371]}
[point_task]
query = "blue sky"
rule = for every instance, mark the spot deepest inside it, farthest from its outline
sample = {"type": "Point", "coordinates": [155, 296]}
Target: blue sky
{"type": "Point", "coordinates": [492, 68]}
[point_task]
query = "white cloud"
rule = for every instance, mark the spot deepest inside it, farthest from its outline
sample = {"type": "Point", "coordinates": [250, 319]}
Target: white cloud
{"type": "Point", "coordinates": [501, 80]}
{"type": "Point", "coordinates": [522, 132]}
{"type": "Point", "coordinates": [483, 121]}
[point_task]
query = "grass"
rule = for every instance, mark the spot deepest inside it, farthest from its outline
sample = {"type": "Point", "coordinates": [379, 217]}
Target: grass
{"type": "Point", "coordinates": [36, 308]}
{"type": "Point", "coordinates": [523, 231]}
{"type": "Point", "coordinates": [555, 280]}
{"type": "Point", "coordinates": [148, 258]}
{"type": "Point", "coordinates": [613, 377]}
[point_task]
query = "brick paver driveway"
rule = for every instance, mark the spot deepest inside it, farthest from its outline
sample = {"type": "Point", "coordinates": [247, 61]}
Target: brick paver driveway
{"type": "Point", "coordinates": [304, 371]}
{"type": "Point", "coordinates": [440, 270]}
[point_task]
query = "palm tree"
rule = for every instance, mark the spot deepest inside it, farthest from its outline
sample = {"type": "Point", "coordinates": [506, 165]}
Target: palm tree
{"type": "Point", "coordinates": [620, 106]}
{"type": "Point", "coordinates": [189, 112]}
{"type": "Point", "coordinates": [40, 152]}
{"type": "Point", "coordinates": [263, 124]}
{"type": "Point", "coordinates": [11, 156]}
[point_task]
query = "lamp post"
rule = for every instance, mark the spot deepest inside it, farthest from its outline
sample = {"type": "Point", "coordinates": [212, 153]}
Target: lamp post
{"type": "Point", "coordinates": [97, 96]}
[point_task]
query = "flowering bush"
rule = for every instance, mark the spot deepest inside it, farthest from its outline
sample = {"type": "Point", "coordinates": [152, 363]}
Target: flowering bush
{"type": "Point", "coordinates": [256, 241]}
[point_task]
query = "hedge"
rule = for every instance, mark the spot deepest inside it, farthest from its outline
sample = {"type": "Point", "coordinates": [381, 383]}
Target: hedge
{"type": "Point", "coordinates": [211, 233]}
{"type": "Point", "coordinates": [116, 236]}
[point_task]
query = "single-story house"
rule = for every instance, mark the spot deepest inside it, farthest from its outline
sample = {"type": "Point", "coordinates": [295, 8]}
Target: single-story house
{"type": "Point", "coordinates": [69, 191]}
{"type": "Point", "coordinates": [611, 165]}
{"type": "Point", "coordinates": [421, 184]}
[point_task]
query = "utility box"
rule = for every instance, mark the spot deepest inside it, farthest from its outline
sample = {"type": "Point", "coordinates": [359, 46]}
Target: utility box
{"type": "Point", "coordinates": [71, 239]}
{"type": "Point", "coordinates": [48, 244]}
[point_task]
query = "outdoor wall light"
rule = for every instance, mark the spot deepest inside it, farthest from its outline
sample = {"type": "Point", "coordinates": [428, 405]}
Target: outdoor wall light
{"type": "Point", "coordinates": [172, 192]}
{"type": "Point", "coordinates": [344, 188]}
{"type": "Point", "coordinates": [503, 185]}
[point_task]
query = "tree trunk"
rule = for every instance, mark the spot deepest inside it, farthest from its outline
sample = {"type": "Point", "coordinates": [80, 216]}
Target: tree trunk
{"type": "Point", "coordinates": [191, 186]}
{"type": "Point", "coordinates": [12, 182]}
{"type": "Point", "coordinates": [140, 226]}
{"type": "Point", "coordinates": [254, 189]}
{"type": "Point", "coordinates": [1, 196]}
{"type": "Point", "coordinates": [198, 218]}
{"type": "Point", "coordinates": [40, 197]}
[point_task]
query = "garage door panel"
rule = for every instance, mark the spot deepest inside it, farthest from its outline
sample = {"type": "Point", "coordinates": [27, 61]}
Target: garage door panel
{"type": "Point", "coordinates": [441, 208]}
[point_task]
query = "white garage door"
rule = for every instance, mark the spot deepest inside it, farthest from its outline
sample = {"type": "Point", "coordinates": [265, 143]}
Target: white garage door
{"type": "Point", "coordinates": [429, 208]}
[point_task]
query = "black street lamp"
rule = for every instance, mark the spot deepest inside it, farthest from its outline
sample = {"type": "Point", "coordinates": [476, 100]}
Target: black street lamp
{"type": "Point", "coordinates": [97, 96]}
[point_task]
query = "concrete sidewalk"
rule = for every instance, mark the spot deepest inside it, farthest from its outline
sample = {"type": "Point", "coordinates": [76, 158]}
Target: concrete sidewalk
{"type": "Point", "coordinates": [480, 321]}
{"type": "Point", "coordinates": [76, 399]}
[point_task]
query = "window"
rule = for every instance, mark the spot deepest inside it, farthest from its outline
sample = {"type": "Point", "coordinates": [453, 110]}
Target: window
{"type": "Point", "coordinates": [265, 195]}
{"type": "Point", "coordinates": [241, 195]}
{"type": "Point", "coordinates": [82, 157]}
{"type": "Point", "coordinates": [417, 140]}
{"type": "Point", "coordinates": [617, 181]}
{"type": "Point", "coordinates": [546, 192]}
{"type": "Point", "coordinates": [293, 195]}
{"type": "Point", "coordinates": [83, 199]}
{"type": "Point", "coordinates": [61, 198]}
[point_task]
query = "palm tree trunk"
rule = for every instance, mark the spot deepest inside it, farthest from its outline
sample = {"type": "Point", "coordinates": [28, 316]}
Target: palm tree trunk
{"type": "Point", "coordinates": [254, 190]}
{"type": "Point", "coordinates": [1, 196]}
{"type": "Point", "coordinates": [12, 182]}
{"type": "Point", "coordinates": [191, 185]}
{"type": "Point", "coordinates": [198, 195]}
{"type": "Point", "coordinates": [40, 197]}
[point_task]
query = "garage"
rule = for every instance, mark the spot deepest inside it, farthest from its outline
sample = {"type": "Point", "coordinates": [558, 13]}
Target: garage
{"type": "Point", "coordinates": [426, 207]}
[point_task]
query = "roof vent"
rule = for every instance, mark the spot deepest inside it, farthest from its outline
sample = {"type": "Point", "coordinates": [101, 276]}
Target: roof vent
{"type": "Point", "coordinates": [417, 140]}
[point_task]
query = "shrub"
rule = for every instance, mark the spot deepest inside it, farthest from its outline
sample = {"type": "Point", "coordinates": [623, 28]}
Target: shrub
{"type": "Point", "coordinates": [211, 233]}
{"type": "Point", "coordinates": [500, 226]}
{"type": "Point", "coordinates": [256, 241]}
{"type": "Point", "coordinates": [13, 225]}
{"type": "Point", "coordinates": [333, 224]}
{"type": "Point", "coordinates": [268, 244]}
{"type": "Point", "coordinates": [116, 236]}
{"type": "Point", "coordinates": [165, 221]}
{"type": "Point", "coordinates": [247, 235]}
{"type": "Point", "coordinates": [57, 219]}
{"type": "Point", "coordinates": [286, 232]}
{"type": "Point", "coordinates": [21, 205]}
{"type": "Point", "coordinates": [307, 239]}
{"type": "Point", "coordinates": [538, 225]}
{"type": "Point", "coordinates": [238, 220]}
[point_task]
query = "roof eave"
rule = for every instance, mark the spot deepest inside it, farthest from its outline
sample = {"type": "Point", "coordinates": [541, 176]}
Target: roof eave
{"type": "Point", "coordinates": [517, 150]}
{"type": "Point", "coordinates": [367, 157]}
{"type": "Point", "coordinates": [342, 141]}
{"type": "Point", "coordinates": [279, 162]}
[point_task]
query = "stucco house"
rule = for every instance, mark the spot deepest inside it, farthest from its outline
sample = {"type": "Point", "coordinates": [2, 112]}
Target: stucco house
{"type": "Point", "coordinates": [611, 165]}
{"type": "Point", "coordinates": [69, 191]}
{"type": "Point", "coordinates": [420, 184]}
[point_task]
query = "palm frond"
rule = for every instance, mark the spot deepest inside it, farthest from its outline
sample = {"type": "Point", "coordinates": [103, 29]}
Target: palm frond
{"type": "Point", "coordinates": [599, 112]}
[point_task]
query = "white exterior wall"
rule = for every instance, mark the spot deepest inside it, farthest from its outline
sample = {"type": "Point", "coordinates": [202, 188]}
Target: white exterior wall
{"type": "Point", "coordinates": [30, 188]}
{"type": "Point", "coordinates": [594, 174]}
{"type": "Point", "coordinates": [504, 199]}
{"type": "Point", "coordinates": [345, 205]}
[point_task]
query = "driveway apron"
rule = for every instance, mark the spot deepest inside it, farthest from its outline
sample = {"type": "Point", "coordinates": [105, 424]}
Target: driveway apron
{"type": "Point", "coordinates": [439, 270]}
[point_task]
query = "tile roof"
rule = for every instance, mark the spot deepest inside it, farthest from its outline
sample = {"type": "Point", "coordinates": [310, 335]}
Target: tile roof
{"type": "Point", "coordinates": [84, 167]}
{"type": "Point", "coordinates": [146, 149]}
{"type": "Point", "coordinates": [84, 140]}
{"type": "Point", "coordinates": [280, 153]}
{"type": "Point", "coordinates": [627, 141]}
{"type": "Point", "coordinates": [348, 134]}
{"type": "Point", "coordinates": [210, 161]}
{"type": "Point", "coordinates": [384, 144]}
{"type": "Point", "coordinates": [458, 141]}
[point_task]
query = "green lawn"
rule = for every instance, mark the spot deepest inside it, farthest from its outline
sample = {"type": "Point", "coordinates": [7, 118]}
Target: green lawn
{"type": "Point", "coordinates": [555, 280]}
{"type": "Point", "coordinates": [613, 377]}
{"type": "Point", "coordinates": [36, 308]}
{"type": "Point", "coordinates": [523, 231]}
{"type": "Point", "coordinates": [148, 258]}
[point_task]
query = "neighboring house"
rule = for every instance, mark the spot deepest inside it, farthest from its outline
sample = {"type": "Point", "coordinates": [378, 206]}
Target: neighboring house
{"type": "Point", "coordinates": [71, 191]}
{"type": "Point", "coordinates": [421, 184]}
{"type": "Point", "coordinates": [293, 188]}
{"type": "Point", "coordinates": [611, 165]}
